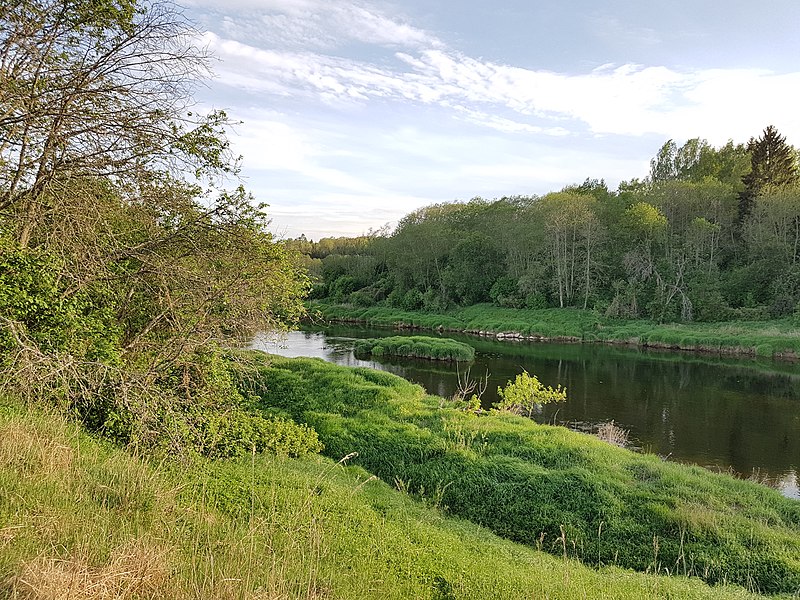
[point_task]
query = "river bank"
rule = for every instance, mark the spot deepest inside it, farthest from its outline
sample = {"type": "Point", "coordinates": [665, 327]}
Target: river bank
{"type": "Point", "coordinates": [578, 496]}
{"type": "Point", "coordinates": [84, 518]}
{"type": "Point", "coordinates": [732, 414]}
{"type": "Point", "coordinates": [778, 339]}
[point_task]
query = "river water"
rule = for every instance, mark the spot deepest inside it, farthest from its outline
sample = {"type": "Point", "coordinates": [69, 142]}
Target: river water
{"type": "Point", "coordinates": [732, 415]}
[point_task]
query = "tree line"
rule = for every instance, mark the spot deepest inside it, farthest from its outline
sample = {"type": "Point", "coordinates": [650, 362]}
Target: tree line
{"type": "Point", "coordinates": [712, 233]}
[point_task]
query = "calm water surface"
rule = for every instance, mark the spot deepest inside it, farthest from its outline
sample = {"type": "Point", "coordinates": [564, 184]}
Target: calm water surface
{"type": "Point", "coordinates": [732, 415]}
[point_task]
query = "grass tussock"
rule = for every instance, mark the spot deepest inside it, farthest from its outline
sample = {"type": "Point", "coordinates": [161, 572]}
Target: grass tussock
{"type": "Point", "coordinates": [137, 570]}
{"type": "Point", "coordinates": [613, 434]}
{"type": "Point", "coordinates": [104, 524]}
{"type": "Point", "coordinates": [417, 347]}
{"type": "Point", "coordinates": [29, 451]}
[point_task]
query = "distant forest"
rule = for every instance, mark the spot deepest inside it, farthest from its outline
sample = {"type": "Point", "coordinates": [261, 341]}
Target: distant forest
{"type": "Point", "coordinates": [712, 233]}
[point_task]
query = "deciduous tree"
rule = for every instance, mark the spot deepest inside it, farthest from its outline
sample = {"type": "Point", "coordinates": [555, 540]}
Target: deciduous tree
{"type": "Point", "coordinates": [112, 197]}
{"type": "Point", "coordinates": [98, 89]}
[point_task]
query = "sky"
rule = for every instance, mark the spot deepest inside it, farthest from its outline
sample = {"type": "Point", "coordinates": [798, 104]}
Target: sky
{"type": "Point", "coordinates": [352, 113]}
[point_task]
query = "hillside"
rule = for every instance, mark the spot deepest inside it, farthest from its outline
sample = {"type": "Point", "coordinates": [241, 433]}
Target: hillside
{"type": "Point", "coordinates": [83, 518]}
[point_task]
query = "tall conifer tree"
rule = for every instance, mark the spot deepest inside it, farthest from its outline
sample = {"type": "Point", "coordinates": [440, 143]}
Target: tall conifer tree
{"type": "Point", "coordinates": [773, 164]}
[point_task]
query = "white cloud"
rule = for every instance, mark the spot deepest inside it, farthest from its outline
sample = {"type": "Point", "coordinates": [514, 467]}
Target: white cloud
{"type": "Point", "coordinates": [367, 26]}
{"type": "Point", "coordinates": [319, 24]}
{"type": "Point", "coordinates": [325, 214]}
{"type": "Point", "coordinates": [505, 125]}
{"type": "Point", "coordinates": [267, 143]}
{"type": "Point", "coordinates": [622, 100]}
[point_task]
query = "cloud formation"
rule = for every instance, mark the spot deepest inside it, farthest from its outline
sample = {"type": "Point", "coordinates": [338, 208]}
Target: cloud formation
{"type": "Point", "coordinates": [314, 24]}
{"type": "Point", "coordinates": [619, 100]}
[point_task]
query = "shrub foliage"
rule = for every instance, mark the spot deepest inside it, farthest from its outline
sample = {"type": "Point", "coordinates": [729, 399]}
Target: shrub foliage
{"type": "Point", "coordinates": [124, 262]}
{"type": "Point", "coordinates": [526, 393]}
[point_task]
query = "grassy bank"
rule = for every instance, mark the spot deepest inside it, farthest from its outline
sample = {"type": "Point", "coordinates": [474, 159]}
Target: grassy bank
{"type": "Point", "coordinates": [546, 486]}
{"type": "Point", "coordinates": [82, 519]}
{"type": "Point", "coordinates": [779, 338]}
{"type": "Point", "coordinates": [417, 346]}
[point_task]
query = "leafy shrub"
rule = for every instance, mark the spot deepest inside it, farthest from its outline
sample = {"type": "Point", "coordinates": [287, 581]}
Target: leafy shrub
{"type": "Point", "coordinates": [706, 296]}
{"type": "Point", "coordinates": [237, 432]}
{"type": "Point", "coordinates": [196, 408]}
{"type": "Point", "coordinates": [526, 393]}
{"type": "Point", "coordinates": [536, 300]}
{"type": "Point", "coordinates": [35, 305]}
{"type": "Point", "coordinates": [412, 300]}
{"type": "Point", "coordinates": [341, 288]}
{"type": "Point", "coordinates": [361, 298]}
{"type": "Point", "coordinates": [785, 292]}
{"type": "Point", "coordinates": [318, 291]}
{"type": "Point", "coordinates": [432, 300]}
{"type": "Point", "coordinates": [504, 292]}
{"type": "Point", "coordinates": [750, 285]}
{"type": "Point", "coordinates": [395, 298]}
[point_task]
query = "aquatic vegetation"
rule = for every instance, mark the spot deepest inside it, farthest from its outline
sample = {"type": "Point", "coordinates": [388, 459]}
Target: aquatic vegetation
{"type": "Point", "coordinates": [417, 347]}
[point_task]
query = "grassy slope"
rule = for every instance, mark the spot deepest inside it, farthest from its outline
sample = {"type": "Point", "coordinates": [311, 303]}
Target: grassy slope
{"type": "Point", "coordinates": [83, 520]}
{"type": "Point", "coordinates": [763, 338]}
{"type": "Point", "coordinates": [546, 485]}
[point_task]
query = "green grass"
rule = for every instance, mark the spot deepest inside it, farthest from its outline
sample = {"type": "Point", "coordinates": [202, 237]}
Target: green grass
{"type": "Point", "coordinates": [85, 520]}
{"type": "Point", "coordinates": [417, 346]}
{"type": "Point", "coordinates": [779, 338]}
{"type": "Point", "coordinates": [546, 486]}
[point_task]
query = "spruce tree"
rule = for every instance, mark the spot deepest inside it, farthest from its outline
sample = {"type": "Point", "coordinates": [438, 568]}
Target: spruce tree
{"type": "Point", "coordinates": [773, 164]}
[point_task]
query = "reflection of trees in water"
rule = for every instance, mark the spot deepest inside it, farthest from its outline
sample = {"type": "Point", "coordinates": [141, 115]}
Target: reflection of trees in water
{"type": "Point", "coordinates": [771, 386]}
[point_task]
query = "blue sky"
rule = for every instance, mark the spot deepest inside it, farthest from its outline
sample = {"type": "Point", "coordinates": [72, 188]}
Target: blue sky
{"type": "Point", "coordinates": [355, 112]}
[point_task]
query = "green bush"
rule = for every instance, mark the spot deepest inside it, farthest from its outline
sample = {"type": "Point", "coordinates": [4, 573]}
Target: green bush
{"type": "Point", "coordinates": [526, 393]}
{"type": "Point", "coordinates": [237, 432]}
{"type": "Point", "coordinates": [341, 288]}
{"type": "Point", "coordinates": [197, 408]}
{"type": "Point", "coordinates": [35, 303]}
{"type": "Point", "coordinates": [505, 293]}
{"type": "Point", "coordinates": [361, 298]}
{"type": "Point", "coordinates": [412, 300]}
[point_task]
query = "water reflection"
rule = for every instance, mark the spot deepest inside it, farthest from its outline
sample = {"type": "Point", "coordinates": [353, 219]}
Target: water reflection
{"type": "Point", "coordinates": [732, 415]}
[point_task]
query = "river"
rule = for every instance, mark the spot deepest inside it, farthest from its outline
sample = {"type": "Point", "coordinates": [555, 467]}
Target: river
{"type": "Point", "coordinates": [732, 415]}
